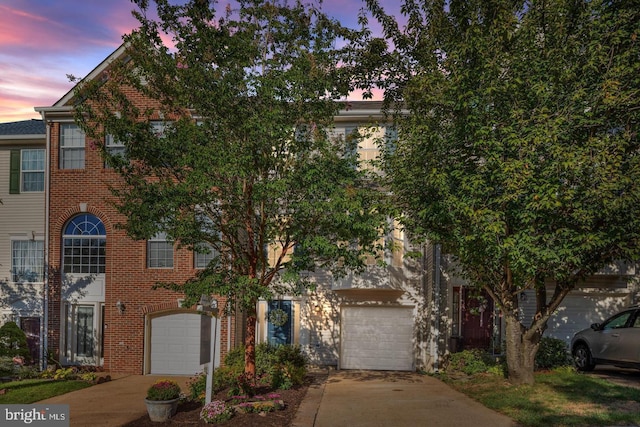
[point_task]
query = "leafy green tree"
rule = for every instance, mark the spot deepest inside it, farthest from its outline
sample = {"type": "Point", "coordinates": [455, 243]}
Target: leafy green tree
{"type": "Point", "coordinates": [519, 152]}
{"type": "Point", "coordinates": [244, 165]}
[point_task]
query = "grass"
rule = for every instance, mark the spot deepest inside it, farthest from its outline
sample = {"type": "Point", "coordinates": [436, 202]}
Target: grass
{"type": "Point", "coordinates": [561, 397]}
{"type": "Point", "coordinates": [30, 391]}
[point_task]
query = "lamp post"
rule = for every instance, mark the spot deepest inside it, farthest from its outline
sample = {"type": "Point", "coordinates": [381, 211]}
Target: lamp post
{"type": "Point", "coordinates": [210, 306]}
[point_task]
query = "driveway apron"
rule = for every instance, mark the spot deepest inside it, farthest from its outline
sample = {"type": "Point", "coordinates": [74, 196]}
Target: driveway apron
{"type": "Point", "coordinates": [375, 398]}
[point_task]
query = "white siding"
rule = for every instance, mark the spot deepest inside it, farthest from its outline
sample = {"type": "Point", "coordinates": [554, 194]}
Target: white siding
{"type": "Point", "coordinates": [21, 216]}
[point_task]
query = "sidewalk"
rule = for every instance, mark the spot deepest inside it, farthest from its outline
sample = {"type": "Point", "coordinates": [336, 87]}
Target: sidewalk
{"type": "Point", "coordinates": [398, 399]}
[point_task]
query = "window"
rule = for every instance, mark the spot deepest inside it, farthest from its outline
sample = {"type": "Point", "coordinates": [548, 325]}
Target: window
{"type": "Point", "coordinates": [84, 243]}
{"type": "Point", "coordinates": [26, 171]}
{"type": "Point", "coordinates": [27, 261]}
{"type": "Point", "coordinates": [71, 147]}
{"type": "Point", "coordinates": [114, 148]}
{"type": "Point", "coordinates": [159, 128]}
{"type": "Point", "coordinates": [352, 139]}
{"type": "Point", "coordinates": [618, 321]}
{"type": "Point", "coordinates": [159, 252]}
{"type": "Point", "coordinates": [202, 259]}
{"type": "Point", "coordinates": [84, 331]}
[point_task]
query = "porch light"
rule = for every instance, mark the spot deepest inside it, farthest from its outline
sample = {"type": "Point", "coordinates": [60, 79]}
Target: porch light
{"type": "Point", "coordinates": [120, 307]}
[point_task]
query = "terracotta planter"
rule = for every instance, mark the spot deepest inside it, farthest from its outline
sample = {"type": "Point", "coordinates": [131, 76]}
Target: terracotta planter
{"type": "Point", "coordinates": [161, 410]}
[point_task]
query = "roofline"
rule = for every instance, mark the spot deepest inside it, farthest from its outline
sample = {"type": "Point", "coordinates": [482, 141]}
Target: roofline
{"type": "Point", "coordinates": [47, 113]}
{"type": "Point", "coordinates": [22, 137]}
{"type": "Point", "coordinates": [93, 74]}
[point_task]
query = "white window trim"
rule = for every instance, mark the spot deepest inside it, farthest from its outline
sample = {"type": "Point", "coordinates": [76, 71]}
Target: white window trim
{"type": "Point", "coordinates": [26, 239]}
{"type": "Point", "coordinates": [23, 171]}
{"type": "Point", "coordinates": [160, 238]}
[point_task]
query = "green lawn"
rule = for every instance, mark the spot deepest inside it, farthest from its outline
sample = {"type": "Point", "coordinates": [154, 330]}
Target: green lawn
{"type": "Point", "coordinates": [561, 397]}
{"type": "Point", "coordinates": [30, 391]}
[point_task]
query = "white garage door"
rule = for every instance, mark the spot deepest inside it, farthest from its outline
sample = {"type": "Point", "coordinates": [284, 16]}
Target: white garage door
{"type": "Point", "coordinates": [578, 312]}
{"type": "Point", "coordinates": [377, 338]}
{"type": "Point", "coordinates": [175, 344]}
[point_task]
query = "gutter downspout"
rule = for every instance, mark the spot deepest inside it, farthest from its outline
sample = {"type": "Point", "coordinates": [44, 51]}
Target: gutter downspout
{"type": "Point", "coordinates": [45, 303]}
{"type": "Point", "coordinates": [438, 306]}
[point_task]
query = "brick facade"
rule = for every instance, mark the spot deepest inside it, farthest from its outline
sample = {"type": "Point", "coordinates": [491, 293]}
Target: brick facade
{"type": "Point", "coordinates": [126, 279]}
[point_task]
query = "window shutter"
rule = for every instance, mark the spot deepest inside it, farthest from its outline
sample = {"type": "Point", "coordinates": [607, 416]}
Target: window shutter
{"type": "Point", "coordinates": [14, 172]}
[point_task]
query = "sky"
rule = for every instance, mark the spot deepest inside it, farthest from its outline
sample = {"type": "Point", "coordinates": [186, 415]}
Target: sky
{"type": "Point", "coordinates": [44, 41]}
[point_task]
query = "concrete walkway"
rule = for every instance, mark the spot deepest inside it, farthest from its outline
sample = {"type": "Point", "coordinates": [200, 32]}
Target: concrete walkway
{"type": "Point", "coordinates": [398, 399]}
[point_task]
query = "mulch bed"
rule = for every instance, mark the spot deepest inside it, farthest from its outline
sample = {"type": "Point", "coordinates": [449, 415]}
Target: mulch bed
{"type": "Point", "coordinates": [189, 412]}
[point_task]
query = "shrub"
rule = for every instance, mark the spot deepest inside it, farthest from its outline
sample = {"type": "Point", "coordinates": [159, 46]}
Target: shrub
{"type": "Point", "coordinates": [197, 386]}
{"type": "Point", "coordinates": [552, 353]}
{"type": "Point", "coordinates": [13, 342]}
{"type": "Point", "coordinates": [279, 366]}
{"type": "Point", "coordinates": [59, 374]}
{"type": "Point", "coordinates": [163, 390]}
{"type": "Point", "coordinates": [6, 366]}
{"type": "Point", "coordinates": [469, 362]}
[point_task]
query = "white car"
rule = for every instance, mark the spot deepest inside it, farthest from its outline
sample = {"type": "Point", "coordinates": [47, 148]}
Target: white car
{"type": "Point", "coordinates": [616, 341]}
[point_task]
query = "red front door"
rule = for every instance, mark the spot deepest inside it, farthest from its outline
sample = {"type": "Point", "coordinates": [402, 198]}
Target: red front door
{"type": "Point", "coordinates": [477, 319]}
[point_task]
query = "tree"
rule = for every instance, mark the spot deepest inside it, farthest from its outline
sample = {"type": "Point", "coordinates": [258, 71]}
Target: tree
{"type": "Point", "coordinates": [242, 164]}
{"type": "Point", "coordinates": [520, 151]}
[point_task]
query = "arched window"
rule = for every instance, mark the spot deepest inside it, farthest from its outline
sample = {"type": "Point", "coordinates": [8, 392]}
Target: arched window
{"type": "Point", "coordinates": [84, 242]}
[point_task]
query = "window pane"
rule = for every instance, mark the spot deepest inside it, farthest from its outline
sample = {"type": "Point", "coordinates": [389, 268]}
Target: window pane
{"type": "Point", "coordinates": [160, 254]}
{"type": "Point", "coordinates": [71, 147]}
{"type": "Point", "coordinates": [202, 260]}
{"type": "Point", "coordinates": [84, 335]}
{"type": "Point", "coordinates": [27, 261]}
{"type": "Point", "coordinates": [84, 245]}
{"type": "Point", "coordinates": [115, 148]}
{"type": "Point", "coordinates": [32, 170]}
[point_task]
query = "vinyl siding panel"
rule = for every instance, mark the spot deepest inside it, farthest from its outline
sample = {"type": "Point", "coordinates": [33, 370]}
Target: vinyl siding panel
{"type": "Point", "coordinates": [21, 215]}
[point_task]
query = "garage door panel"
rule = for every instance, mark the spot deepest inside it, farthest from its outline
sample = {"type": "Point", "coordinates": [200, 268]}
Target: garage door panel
{"type": "Point", "coordinates": [175, 344]}
{"type": "Point", "coordinates": [377, 338]}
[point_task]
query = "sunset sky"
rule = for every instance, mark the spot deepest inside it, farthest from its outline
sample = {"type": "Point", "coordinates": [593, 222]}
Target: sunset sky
{"type": "Point", "coordinates": [43, 41]}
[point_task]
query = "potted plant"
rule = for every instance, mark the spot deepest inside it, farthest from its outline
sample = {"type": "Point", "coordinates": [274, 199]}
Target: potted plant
{"type": "Point", "coordinates": [162, 400]}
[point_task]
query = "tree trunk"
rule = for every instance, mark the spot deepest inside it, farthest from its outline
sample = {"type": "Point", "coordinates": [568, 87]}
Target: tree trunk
{"type": "Point", "coordinates": [250, 344]}
{"type": "Point", "coordinates": [521, 351]}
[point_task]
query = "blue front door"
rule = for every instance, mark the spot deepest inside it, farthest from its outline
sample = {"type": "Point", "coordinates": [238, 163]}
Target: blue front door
{"type": "Point", "coordinates": [280, 322]}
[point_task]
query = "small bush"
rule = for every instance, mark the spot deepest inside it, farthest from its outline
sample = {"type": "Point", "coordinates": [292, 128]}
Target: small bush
{"type": "Point", "coordinates": [13, 342]}
{"type": "Point", "coordinates": [6, 366]}
{"type": "Point", "coordinates": [469, 362]}
{"type": "Point", "coordinates": [197, 386]}
{"type": "Point", "coordinates": [552, 353]}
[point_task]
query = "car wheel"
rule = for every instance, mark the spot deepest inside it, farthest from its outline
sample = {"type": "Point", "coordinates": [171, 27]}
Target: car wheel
{"type": "Point", "coordinates": [582, 358]}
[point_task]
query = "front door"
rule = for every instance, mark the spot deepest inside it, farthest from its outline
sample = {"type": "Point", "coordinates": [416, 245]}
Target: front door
{"type": "Point", "coordinates": [84, 333]}
{"type": "Point", "coordinates": [31, 328]}
{"type": "Point", "coordinates": [280, 322]}
{"type": "Point", "coordinates": [477, 319]}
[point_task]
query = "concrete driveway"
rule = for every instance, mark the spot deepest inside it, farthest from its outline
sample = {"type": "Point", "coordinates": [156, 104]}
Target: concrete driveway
{"type": "Point", "coordinates": [620, 376]}
{"type": "Point", "coordinates": [399, 399]}
{"type": "Point", "coordinates": [113, 403]}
